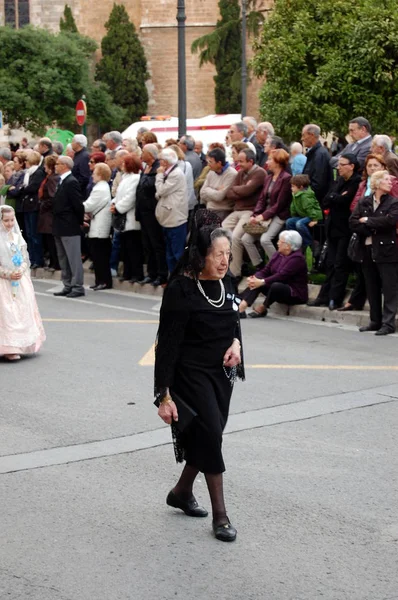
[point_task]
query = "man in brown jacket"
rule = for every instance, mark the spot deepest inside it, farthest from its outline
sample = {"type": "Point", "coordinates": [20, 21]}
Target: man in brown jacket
{"type": "Point", "coordinates": [245, 192]}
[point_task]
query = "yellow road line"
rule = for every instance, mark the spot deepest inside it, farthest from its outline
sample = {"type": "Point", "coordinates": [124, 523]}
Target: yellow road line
{"type": "Point", "coordinates": [152, 321]}
{"type": "Point", "coordinates": [328, 367]}
{"type": "Point", "coordinates": [148, 360]}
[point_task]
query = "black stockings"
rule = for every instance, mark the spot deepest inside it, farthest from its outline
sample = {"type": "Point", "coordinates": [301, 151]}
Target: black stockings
{"type": "Point", "coordinates": [216, 491]}
{"type": "Point", "coordinates": [183, 489]}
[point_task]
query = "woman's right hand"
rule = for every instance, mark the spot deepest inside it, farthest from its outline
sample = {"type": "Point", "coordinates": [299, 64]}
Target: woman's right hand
{"type": "Point", "coordinates": [15, 276]}
{"type": "Point", "coordinates": [168, 412]}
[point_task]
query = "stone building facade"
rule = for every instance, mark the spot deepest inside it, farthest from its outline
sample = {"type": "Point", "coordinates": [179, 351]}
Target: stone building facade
{"type": "Point", "coordinates": [157, 26]}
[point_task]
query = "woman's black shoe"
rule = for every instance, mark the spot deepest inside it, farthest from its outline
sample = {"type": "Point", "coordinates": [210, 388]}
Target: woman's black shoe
{"type": "Point", "coordinates": [225, 532]}
{"type": "Point", "coordinates": [190, 507]}
{"type": "Point", "coordinates": [257, 315]}
{"type": "Point", "coordinates": [243, 315]}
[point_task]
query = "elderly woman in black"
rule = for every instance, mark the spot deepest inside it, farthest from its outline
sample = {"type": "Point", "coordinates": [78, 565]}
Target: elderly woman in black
{"type": "Point", "coordinates": [198, 357]}
{"type": "Point", "coordinates": [374, 220]}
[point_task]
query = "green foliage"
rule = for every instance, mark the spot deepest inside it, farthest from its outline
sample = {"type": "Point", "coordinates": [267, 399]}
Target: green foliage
{"type": "Point", "coordinates": [326, 62]}
{"type": "Point", "coordinates": [68, 22]}
{"type": "Point", "coordinates": [223, 48]}
{"type": "Point", "coordinates": [123, 65]}
{"type": "Point", "coordinates": [42, 75]}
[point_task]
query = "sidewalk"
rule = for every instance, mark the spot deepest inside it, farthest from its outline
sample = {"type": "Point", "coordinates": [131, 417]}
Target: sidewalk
{"type": "Point", "coordinates": [353, 318]}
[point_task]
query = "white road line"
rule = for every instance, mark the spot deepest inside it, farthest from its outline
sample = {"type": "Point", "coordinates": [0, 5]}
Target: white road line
{"type": "Point", "coordinates": [101, 304]}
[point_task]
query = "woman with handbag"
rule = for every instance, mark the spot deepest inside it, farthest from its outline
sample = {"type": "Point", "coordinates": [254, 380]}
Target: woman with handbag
{"type": "Point", "coordinates": [272, 208]}
{"type": "Point", "coordinates": [374, 220]}
{"type": "Point", "coordinates": [198, 357]}
{"type": "Point", "coordinates": [373, 163]}
{"type": "Point", "coordinates": [97, 205]}
{"type": "Point", "coordinates": [123, 205]}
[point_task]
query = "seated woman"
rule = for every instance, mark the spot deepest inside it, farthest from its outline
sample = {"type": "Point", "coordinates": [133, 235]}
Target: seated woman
{"type": "Point", "coordinates": [374, 220]}
{"type": "Point", "coordinates": [272, 208]}
{"type": "Point", "coordinates": [283, 279]}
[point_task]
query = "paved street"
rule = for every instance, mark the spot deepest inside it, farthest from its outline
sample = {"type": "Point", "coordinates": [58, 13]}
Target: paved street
{"type": "Point", "coordinates": [86, 464]}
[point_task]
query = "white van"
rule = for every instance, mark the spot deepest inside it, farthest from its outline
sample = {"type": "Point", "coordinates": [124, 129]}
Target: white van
{"type": "Point", "coordinates": [212, 128]}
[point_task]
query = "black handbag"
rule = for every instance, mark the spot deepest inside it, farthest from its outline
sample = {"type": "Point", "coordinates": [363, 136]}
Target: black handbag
{"type": "Point", "coordinates": [186, 414]}
{"type": "Point", "coordinates": [321, 266]}
{"type": "Point", "coordinates": [355, 248]}
{"type": "Point", "coordinates": [119, 221]}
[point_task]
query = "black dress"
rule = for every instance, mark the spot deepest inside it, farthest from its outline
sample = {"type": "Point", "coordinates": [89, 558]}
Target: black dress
{"type": "Point", "coordinates": [193, 337]}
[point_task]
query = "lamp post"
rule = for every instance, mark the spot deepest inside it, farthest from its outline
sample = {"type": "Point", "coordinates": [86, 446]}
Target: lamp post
{"type": "Point", "coordinates": [182, 83]}
{"type": "Point", "coordinates": [244, 67]}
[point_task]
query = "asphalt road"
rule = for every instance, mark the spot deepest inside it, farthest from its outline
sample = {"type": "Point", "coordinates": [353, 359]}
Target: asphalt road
{"type": "Point", "coordinates": [85, 465]}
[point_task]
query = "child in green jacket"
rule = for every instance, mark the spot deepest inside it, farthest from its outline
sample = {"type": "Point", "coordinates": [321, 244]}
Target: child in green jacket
{"type": "Point", "coordinates": [304, 209]}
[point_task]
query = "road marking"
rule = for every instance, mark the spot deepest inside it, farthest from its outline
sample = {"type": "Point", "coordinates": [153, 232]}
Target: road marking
{"type": "Point", "coordinates": [328, 367]}
{"type": "Point", "coordinates": [254, 419]}
{"type": "Point", "coordinates": [145, 321]}
{"type": "Point", "coordinates": [148, 360]}
{"type": "Point", "coordinates": [101, 304]}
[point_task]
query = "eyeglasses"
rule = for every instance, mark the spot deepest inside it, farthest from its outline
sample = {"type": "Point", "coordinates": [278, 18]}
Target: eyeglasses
{"type": "Point", "coordinates": [91, 162]}
{"type": "Point", "coordinates": [343, 164]}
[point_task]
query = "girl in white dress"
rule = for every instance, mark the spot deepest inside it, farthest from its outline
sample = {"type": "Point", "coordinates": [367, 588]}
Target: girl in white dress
{"type": "Point", "coordinates": [21, 329]}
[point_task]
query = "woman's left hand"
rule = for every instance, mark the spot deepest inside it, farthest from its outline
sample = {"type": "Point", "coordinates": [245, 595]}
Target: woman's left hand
{"type": "Point", "coordinates": [232, 355]}
{"type": "Point", "coordinates": [259, 219]}
{"type": "Point", "coordinates": [254, 283]}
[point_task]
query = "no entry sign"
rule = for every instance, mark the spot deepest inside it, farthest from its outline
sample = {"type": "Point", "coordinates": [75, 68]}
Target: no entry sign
{"type": "Point", "coordinates": [81, 112]}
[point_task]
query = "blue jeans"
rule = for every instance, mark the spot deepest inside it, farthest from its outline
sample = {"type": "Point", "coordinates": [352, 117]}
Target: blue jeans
{"type": "Point", "coordinates": [300, 225]}
{"type": "Point", "coordinates": [34, 239]}
{"type": "Point", "coordinates": [175, 243]}
{"type": "Point", "coordinates": [115, 253]}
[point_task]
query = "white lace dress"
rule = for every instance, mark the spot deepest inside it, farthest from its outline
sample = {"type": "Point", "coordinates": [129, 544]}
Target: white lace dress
{"type": "Point", "coordinates": [21, 328]}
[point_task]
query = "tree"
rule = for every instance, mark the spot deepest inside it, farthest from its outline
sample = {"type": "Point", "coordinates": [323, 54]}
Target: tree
{"type": "Point", "coordinates": [42, 77]}
{"type": "Point", "coordinates": [223, 48]}
{"type": "Point", "coordinates": [68, 22]}
{"type": "Point", "coordinates": [123, 65]}
{"type": "Point", "coordinates": [326, 62]}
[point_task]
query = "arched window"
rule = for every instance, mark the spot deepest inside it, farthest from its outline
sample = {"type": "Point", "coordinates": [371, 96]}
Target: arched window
{"type": "Point", "coordinates": [16, 13]}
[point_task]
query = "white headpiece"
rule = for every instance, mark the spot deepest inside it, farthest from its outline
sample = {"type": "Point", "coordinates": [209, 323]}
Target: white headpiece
{"type": "Point", "coordinates": [11, 241]}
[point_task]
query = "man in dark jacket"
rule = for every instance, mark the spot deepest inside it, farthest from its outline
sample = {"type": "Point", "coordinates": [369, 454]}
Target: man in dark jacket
{"type": "Point", "coordinates": [68, 214]}
{"type": "Point", "coordinates": [152, 235]}
{"type": "Point", "coordinates": [317, 166]}
{"type": "Point", "coordinates": [81, 158]}
{"type": "Point", "coordinates": [360, 131]}
{"type": "Point", "coordinates": [337, 201]}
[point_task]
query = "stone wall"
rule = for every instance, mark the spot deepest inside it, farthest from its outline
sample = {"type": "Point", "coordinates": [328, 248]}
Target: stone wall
{"type": "Point", "coordinates": [157, 27]}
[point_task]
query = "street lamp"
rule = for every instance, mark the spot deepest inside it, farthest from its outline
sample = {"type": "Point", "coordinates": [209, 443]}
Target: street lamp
{"type": "Point", "coordinates": [244, 67]}
{"type": "Point", "coordinates": [182, 83]}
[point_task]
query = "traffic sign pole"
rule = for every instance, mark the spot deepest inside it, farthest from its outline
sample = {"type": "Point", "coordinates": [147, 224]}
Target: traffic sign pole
{"type": "Point", "coordinates": [81, 113]}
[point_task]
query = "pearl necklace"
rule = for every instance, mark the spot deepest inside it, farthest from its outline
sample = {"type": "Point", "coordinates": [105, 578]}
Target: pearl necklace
{"type": "Point", "coordinates": [216, 303]}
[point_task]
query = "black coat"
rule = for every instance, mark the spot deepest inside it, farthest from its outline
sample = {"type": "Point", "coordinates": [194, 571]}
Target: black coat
{"type": "Point", "coordinates": [146, 190]}
{"type": "Point", "coordinates": [319, 170]}
{"type": "Point", "coordinates": [81, 169]}
{"type": "Point", "coordinates": [68, 209]}
{"type": "Point", "coordinates": [28, 196]}
{"type": "Point", "coordinates": [338, 200]}
{"type": "Point", "coordinates": [381, 225]}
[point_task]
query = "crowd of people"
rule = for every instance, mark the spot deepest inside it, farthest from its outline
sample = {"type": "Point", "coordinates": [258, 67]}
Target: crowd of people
{"type": "Point", "coordinates": [126, 204]}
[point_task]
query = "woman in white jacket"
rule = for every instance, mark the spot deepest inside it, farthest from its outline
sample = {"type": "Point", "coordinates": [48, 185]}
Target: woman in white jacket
{"type": "Point", "coordinates": [97, 205]}
{"type": "Point", "coordinates": [124, 203]}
